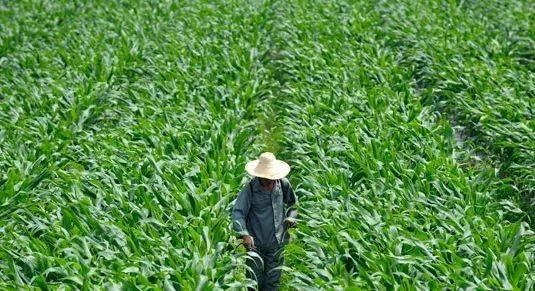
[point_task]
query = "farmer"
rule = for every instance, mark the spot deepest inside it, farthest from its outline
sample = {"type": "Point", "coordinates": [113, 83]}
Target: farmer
{"type": "Point", "coordinates": [260, 219]}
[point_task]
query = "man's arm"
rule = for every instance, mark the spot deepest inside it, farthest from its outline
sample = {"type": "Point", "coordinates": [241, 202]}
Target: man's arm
{"type": "Point", "coordinates": [290, 199]}
{"type": "Point", "coordinates": [240, 212]}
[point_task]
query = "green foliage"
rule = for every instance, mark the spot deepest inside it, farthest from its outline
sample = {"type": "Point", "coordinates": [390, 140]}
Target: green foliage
{"type": "Point", "coordinates": [124, 130]}
{"type": "Point", "coordinates": [384, 204]}
{"type": "Point", "coordinates": [476, 65]}
{"type": "Point", "coordinates": [125, 126]}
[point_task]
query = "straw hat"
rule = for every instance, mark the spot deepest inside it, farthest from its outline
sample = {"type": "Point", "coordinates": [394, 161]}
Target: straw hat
{"type": "Point", "coordinates": [267, 166]}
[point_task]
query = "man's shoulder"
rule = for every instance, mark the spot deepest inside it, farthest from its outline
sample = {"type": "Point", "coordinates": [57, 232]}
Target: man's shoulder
{"type": "Point", "coordinates": [285, 182]}
{"type": "Point", "coordinates": [250, 184]}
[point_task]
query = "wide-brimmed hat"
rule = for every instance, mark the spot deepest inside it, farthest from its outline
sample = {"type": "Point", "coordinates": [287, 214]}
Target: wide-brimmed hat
{"type": "Point", "coordinates": [267, 166]}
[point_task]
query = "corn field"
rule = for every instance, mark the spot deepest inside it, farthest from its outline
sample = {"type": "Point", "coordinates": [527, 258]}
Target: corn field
{"type": "Point", "coordinates": [125, 127]}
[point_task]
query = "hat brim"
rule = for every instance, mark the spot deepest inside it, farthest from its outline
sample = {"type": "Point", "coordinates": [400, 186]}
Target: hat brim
{"type": "Point", "coordinates": [278, 171]}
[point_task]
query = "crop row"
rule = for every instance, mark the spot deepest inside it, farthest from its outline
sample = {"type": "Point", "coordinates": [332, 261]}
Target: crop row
{"type": "Point", "coordinates": [124, 130]}
{"type": "Point", "coordinates": [384, 203]}
{"type": "Point", "coordinates": [475, 64]}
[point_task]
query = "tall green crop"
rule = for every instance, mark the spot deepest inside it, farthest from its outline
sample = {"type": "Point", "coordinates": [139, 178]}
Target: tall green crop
{"type": "Point", "coordinates": [125, 126]}
{"type": "Point", "coordinates": [384, 202]}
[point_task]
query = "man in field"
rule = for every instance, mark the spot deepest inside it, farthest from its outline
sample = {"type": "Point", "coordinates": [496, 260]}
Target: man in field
{"type": "Point", "coordinates": [260, 218]}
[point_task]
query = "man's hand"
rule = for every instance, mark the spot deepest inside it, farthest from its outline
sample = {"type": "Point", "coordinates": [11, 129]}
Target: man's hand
{"type": "Point", "coordinates": [248, 242]}
{"type": "Point", "coordinates": [289, 223]}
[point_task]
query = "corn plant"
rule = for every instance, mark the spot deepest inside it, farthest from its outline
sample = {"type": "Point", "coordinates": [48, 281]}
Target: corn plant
{"type": "Point", "coordinates": [125, 126]}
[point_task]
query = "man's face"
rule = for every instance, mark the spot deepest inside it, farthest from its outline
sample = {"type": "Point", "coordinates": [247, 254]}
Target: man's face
{"type": "Point", "coordinates": [266, 182]}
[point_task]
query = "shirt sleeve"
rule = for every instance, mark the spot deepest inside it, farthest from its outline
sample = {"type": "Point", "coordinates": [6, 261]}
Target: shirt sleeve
{"type": "Point", "coordinates": [289, 198]}
{"type": "Point", "coordinates": [240, 212]}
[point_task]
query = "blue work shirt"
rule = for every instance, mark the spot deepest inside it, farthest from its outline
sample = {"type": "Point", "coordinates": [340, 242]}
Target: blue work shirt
{"type": "Point", "coordinates": [261, 214]}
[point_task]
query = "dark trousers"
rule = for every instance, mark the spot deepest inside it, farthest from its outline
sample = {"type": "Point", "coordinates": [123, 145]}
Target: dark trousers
{"type": "Point", "coordinates": [265, 269]}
